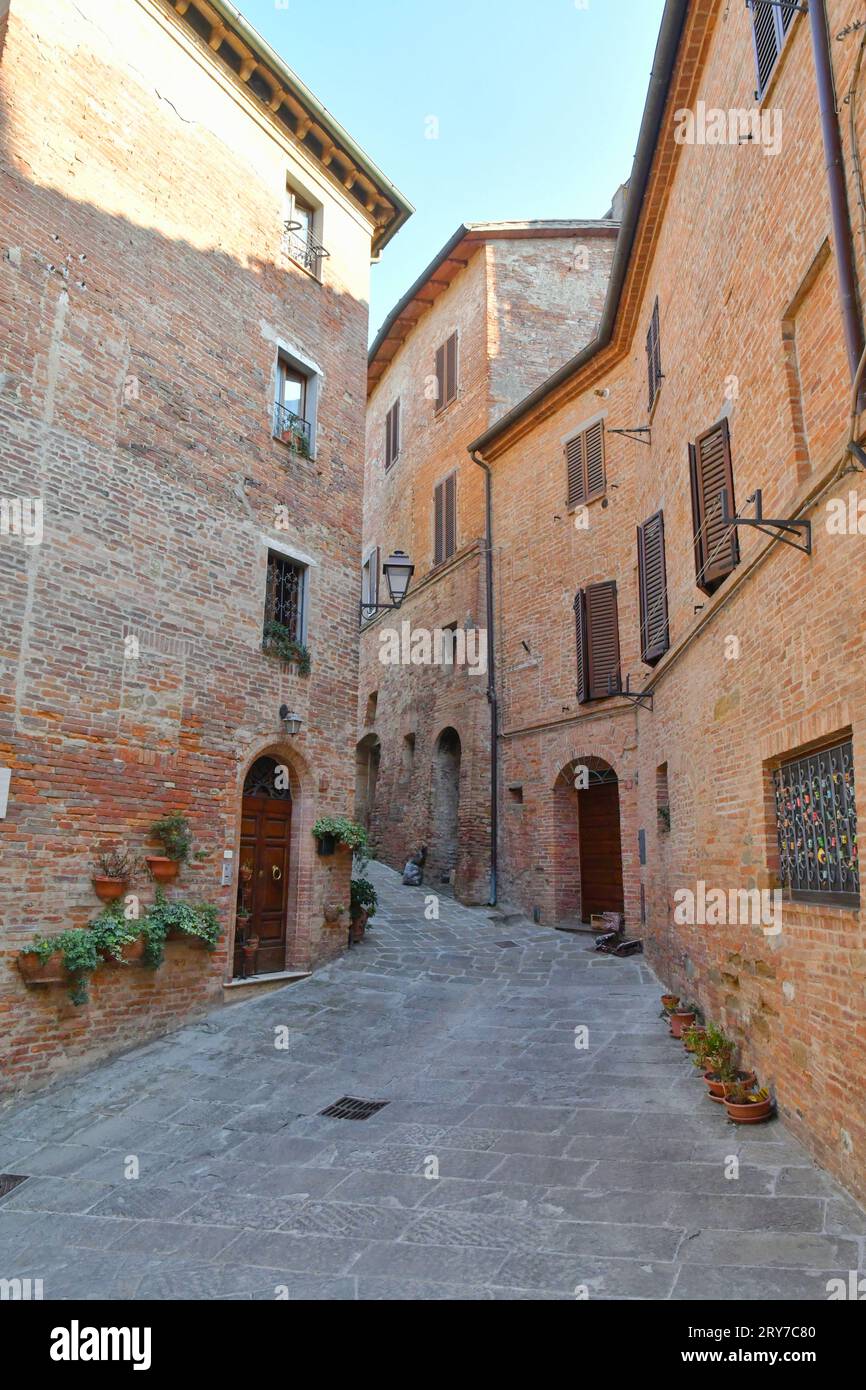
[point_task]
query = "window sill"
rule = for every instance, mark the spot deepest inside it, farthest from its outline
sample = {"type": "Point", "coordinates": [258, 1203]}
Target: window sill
{"type": "Point", "coordinates": [316, 276]}
{"type": "Point", "coordinates": [308, 457]}
{"type": "Point", "coordinates": [442, 409]}
{"type": "Point", "coordinates": [576, 506]}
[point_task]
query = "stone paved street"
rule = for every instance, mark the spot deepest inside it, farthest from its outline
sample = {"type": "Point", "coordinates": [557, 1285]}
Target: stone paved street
{"type": "Point", "coordinates": [557, 1167]}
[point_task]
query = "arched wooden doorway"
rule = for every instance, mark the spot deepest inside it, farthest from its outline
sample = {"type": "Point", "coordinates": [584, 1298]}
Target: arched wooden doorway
{"type": "Point", "coordinates": [264, 870]}
{"type": "Point", "coordinates": [587, 848]}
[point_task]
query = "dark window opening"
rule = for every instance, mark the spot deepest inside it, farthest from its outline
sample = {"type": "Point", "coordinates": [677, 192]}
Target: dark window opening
{"type": "Point", "coordinates": [284, 595]}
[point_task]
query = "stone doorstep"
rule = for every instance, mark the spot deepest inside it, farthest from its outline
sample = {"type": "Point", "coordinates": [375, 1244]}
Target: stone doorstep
{"type": "Point", "coordinates": [235, 990]}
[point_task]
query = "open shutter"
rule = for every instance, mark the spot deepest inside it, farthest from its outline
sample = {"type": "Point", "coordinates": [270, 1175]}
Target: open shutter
{"type": "Point", "coordinates": [717, 550]}
{"type": "Point", "coordinates": [439, 524]}
{"type": "Point", "coordinates": [440, 377]}
{"type": "Point", "coordinates": [450, 515]}
{"type": "Point", "coordinates": [582, 660]}
{"type": "Point", "coordinates": [451, 367]}
{"type": "Point", "coordinates": [597, 628]}
{"type": "Point", "coordinates": [392, 434]}
{"type": "Point", "coordinates": [375, 565]}
{"type": "Point", "coordinates": [574, 458]}
{"type": "Point", "coordinates": [769, 26]}
{"type": "Point", "coordinates": [652, 585]}
{"type": "Point", "coordinates": [595, 460]}
{"type": "Point", "coordinates": [654, 361]}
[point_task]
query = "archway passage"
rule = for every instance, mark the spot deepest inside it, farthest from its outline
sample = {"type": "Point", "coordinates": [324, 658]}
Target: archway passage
{"type": "Point", "coordinates": [264, 870]}
{"type": "Point", "coordinates": [601, 888]}
{"type": "Point", "coordinates": [445, 824]}
{"type": "Point", "coordinates": [368, 755]}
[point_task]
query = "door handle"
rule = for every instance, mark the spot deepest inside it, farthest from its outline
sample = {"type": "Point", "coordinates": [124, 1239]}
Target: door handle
{"type": "Point", "coordinates": [276, 872]}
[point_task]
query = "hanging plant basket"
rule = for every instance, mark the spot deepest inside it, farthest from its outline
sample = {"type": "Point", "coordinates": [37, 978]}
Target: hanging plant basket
{"type": "Point", "coordinates": [132, 952]}
{"type": "Point", "coordinates": [162, 869]}
{"type": "Point", "coordinates": [108, 890]}
{"type": "Point", "coordinates": [36, 971]}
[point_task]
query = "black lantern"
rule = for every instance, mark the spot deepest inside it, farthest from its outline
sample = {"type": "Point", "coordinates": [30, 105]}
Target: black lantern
{"type": "Point", "coordinates": [398, 570]}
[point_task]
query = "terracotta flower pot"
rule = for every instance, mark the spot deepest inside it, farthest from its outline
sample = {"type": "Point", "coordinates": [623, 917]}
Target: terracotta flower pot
{"type": "Point", "coordinates": [750, 1113]}
{"type": "Point", "coordinates": [163, 870]}
{"type": "Point", "coordinates": [679, 1021]}
{"type": "Point", "coordinates": [670, 1001]}
{"type": "Point", "coordinates": [716, 1086]}
{"type": "Point", "coordinates": [359, 925]}
{"type": "Point", "coordinates": [37, 972]}
{"type": "Point", "coordinates": [108, 889]}
{"type": "Point", "coordinates": [133, 951]}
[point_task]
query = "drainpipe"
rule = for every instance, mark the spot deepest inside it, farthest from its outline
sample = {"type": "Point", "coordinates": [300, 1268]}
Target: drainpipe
{"type": "Point", "coordinates": [842, 238]}
{"type": "Point", "coordinates": [491, 673]}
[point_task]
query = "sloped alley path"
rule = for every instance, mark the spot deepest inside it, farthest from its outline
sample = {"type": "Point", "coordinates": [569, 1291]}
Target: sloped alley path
{"type": "Point", "coordinates": [558, 1168]}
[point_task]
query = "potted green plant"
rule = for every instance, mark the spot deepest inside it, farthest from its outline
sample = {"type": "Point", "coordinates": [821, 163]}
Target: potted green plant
{"type": "Point", "coordinates": [693, 1037]}
{"type": "Point", "coordinates": [747, 1103]}
{"type": "Point", "coordinates": [332, 830]}
{"type": "Point", "coordinates": [78, 956]}
{"type": "Point", "coordinates": [111, 872]}
{"type": "Point", "coordinates": [278, 641]}
{"type": "Point", "coordinates": [117, 938]}
{"type": "Point", "coordinates": [363, 902]}
{"type": "Point", "coordinates": [670, 1001]}
{"type": "Point", "coordinates": [174, 834]}
{"type": "Point", "coordinates": [178, 921]}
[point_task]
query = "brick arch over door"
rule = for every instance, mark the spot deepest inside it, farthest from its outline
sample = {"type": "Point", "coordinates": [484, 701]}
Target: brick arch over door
{"type": "Point", "coordinates": [301, 848]}
{"type": "Point", "coordinates": [586, 847]}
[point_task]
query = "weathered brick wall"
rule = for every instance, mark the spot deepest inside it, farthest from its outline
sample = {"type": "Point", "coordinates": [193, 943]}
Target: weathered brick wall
{"type": "Point", "coordinates": [750, 329]}
{"type": "Point", "coordinates": [144, 291]}
{"type": "Point", "coordinates": [520, 307]}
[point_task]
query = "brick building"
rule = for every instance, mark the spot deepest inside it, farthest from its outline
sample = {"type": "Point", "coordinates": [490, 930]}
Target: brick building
{"type": "Point", "coordinates": [727, 349]}
{"type": "Point", "coordinates": [498, 308]}
{"type": "Point", "coordinates": [184, 279]}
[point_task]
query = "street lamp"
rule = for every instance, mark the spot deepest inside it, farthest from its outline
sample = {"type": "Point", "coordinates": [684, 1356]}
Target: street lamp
{"type": "Point", "coordinates": [291, 722]}
{"type": "Point", "coordinates": [398, 570]}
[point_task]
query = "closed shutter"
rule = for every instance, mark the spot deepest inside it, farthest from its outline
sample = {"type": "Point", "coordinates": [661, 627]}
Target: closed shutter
{"type": "Point", "coordinates": [392, 434]}
{"type": "Point", "coordinates": [654, 360]}
{"type": "Point", "coordinates": [717, 550]}
{"type": "Point", "coordinates": [652, 585]}
{"type": "Point", "coordinates": [584, 458]}
{"type": "Point", "coordinates": [597, 629]}
{"type": "Point", "coordinates": [439, 523]}
{"type": "Point", "coordinates": [451, 368]}
{"type": "Point", "coordinates": [440, 377]}
{"type": "Point", "coordinates": [450, 515]}
{"type": "Point", "coordinates": [770, 24]}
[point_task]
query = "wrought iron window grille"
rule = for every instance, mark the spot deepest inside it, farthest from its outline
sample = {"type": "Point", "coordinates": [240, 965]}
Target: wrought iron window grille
{"type": "Point", "coordinates": [816, 823]}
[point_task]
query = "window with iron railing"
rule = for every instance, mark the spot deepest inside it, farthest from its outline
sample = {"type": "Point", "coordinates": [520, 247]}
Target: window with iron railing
{"type": "Point", "coordinates": [816, 822]}
{"type": "Point", "coordinates": [284, 596]}
{"type": "Point", "coordinates": [292, 409]}
{"type": "Point", "coordinates": [300, 237]}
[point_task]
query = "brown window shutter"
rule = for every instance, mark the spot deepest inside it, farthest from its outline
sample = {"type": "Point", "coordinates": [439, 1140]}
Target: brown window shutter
{"type": "Point", "coordinates": [440, 377]}
{"type": "Point", "coordinates": [595, 460]}
{"type": "Point", "coordinates": [584, 461]}
{"type": "Point", "coordinates": [395, 430]}
{"type": "Point", "coordinates": [450, 515]}
{"type": "Point", "coordinates": [652, 585]}
{"type": "Point", "coordinates": [388, 439]}
{"type": "Point", "coordinates": [439, 523]}
{"type": "Point", "coordinates": [582, 660]}
{"type": "Point", "coordinates": [769, 29]}
{"type": "Point", "coordinates": [574, 456]}
{"type": "Point", "coordinates": [654, 360]}
{"type": "Point", "coordinates": [597, 626]}
{"type": "Point", "coordinates": [717, 550]}
{"type": "Point", "coordinates": [451, 367]}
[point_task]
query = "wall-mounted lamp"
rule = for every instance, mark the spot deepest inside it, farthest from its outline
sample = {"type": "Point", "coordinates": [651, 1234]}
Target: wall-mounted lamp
{"type": "Point", "coordinates": [291, 722]}
{"type": "Point", "coordinates": [398, 570]}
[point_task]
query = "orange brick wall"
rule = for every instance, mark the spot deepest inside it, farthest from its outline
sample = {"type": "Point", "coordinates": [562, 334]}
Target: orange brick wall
{"type": "Point", "coordinates": [144, 291]}
{"type": "Point", "coordinates": [750, 329]}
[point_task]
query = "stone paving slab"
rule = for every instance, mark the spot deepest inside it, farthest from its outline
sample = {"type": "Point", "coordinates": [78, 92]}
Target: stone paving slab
{"type": "Point", "coordinates": [508, 1164]}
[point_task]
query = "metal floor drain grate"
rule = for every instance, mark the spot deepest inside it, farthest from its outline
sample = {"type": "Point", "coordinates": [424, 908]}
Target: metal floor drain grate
{"type": "Point", "coordinates": [9, 1181]}
{"type": "Point", "coordinates": [506, 943]}
{"type": "Point", "coordinates": [350, 1108]}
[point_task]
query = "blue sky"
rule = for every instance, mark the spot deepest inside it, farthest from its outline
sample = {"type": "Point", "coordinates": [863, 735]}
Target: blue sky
{"type": "Point", "coordinates": [538, 104]}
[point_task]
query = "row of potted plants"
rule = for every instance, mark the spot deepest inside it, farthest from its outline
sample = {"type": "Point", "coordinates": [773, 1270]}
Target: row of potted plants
{"type": "Point", "coordinates": [714, 1054]}
{"type": "Point", "coordinates": [114, 869]}
{"type": "Point", "coordinates": [71, 957]}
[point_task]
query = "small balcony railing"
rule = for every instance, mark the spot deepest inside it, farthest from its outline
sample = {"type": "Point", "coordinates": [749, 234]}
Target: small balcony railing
{"type": "Point", "coordinates": [303, 249]}
{"type": "Point", "coordinates": [291, 429]}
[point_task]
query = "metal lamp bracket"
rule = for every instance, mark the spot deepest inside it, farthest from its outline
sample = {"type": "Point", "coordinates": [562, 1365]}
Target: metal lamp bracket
{"type": "Point", "coordinates": [761, 523]}
{"type": "Point", "coordinates": [643, 698]}
{"type": "Point", "coordinates": [636, 432]}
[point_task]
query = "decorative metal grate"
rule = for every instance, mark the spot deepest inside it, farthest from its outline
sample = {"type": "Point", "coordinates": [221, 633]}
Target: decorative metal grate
{"type": "Point", "coordinates": [292, 429]}
{"type": "Point", "coordinates": [9, 1181]}
{"type": "Point", "coordinates": [816, 817]}
{"type": "Point", "coordinates": [350, 1108]}
{"type": "Point", "coordinates": [264, 779]}
{"type": "Point", "coordinates": [284, 594]}
{"type": "Point", "coordinates": [304, 250]}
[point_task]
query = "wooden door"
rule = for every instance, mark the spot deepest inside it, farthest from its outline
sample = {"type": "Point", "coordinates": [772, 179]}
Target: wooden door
{"type": "Point", "coordinates": [600, 849]}
{"type": "Point", "coordinates": [266, 824]}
